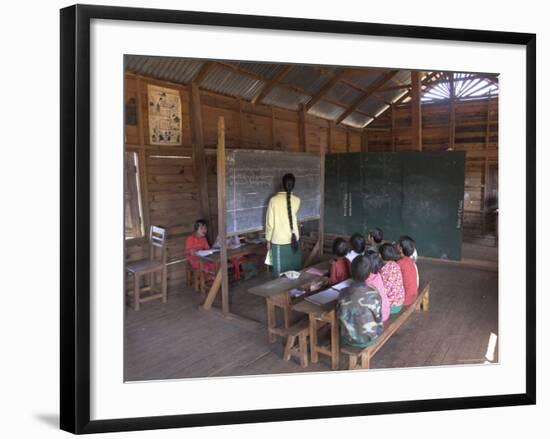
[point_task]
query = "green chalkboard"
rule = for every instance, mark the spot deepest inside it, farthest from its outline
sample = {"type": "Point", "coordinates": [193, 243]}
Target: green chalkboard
{"type": "Point", "coordinates": [420, 194]}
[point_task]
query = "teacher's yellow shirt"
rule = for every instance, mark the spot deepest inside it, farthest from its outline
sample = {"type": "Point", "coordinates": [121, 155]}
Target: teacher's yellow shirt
{"type": "Point", "coordinates": [277, 226]}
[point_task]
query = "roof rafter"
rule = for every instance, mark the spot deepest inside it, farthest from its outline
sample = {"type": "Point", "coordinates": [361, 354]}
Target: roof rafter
{"type": "Point", "coordinates": [424, 82]}
{"type": "Point", "coordinates": [269, 85]}
{"type": "Point", "coordinates": [368, 92]}
{"type": "Point", "coordinates": [325, 89]}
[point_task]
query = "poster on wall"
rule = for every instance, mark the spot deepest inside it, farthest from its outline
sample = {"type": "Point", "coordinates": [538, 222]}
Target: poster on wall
{"type": "Point", "coordinates": [164, 115]}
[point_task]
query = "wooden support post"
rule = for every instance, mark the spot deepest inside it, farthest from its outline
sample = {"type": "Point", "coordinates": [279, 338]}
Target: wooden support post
{"type": "Point", "coordinates": [142, 160]}
{"type": "Point", "coordinates": [347, 141]}
{"type": "Point", "coordinates": [199, 157]}
{"type": "Point", "coordinates": [330, 142]}
{"type": "Point", "coordinates": [321, 241]}
{"type": "Point", "coordinates": [416, 110]}
{"type": "Point", "coordinates": [486, 168]}
{"type": "Point", "coordinates": [364, 141]}
{"type": "Point", "coordinates": [213, 291]}
{"type": "Point", "coordinates": [240, 124]}
{"type": "Point", "coordinates": [222, 231]}
{"type": "Point", "coordinates": [302, 131]}
{"type": "Point", "coordinates": [452, 113]}
{"type": "Point", "coordinates": [273, 146]}
{"type": "Point", "coordinates": [392, 127]}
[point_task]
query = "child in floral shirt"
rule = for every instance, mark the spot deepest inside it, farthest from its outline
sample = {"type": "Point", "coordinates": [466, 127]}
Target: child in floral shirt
{"type": "Point", "coordinates": [392, 278]}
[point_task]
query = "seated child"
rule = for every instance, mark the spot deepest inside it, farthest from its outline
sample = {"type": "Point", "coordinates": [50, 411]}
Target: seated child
{"type": "Point", "coordinates": [357, 244]}
{"type": "Point", "coordinates": [392, 278]}
{"type": "Point", "coordinates": [409, 271]}
{"type": "Point", "coordinates": [375, 239]}
{"type": "Point", "coordinates": [197, 241]}
{"type": "Point", "coordinates": [375, 280]}
{"type": "Point", "coordinates": [360, 308]}
{"type": "Point", "coordinates": [339, 267]}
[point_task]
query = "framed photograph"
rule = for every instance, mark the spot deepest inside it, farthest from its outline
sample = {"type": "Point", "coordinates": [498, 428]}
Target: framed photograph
{"type": "Point", "coordinates": [276, 218]}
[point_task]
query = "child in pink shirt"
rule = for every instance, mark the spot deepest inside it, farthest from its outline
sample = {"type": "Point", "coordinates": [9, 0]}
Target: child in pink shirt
{"type": "Point", "coordinates": [392, 277]}
{"type": "Point", "coordinates": [375, 280]}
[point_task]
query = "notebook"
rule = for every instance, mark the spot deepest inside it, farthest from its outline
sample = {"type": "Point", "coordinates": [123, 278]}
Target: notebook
{"type": "Point", "coordinates": [324, 297]}
{"type": "Point", "coordinates": [344, 284]}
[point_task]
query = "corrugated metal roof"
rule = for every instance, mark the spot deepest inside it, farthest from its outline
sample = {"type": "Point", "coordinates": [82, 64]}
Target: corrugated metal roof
{"type": "Point", "coordinates": [356, 120]}
{"type": "Point", "coordinates": [391, 95]}
{"type": "Point", "coordinates": [223, 80]}
{"type": "Point", "coordinates": [306, 78]}
{"type": "Point", "coordinates": [326, 110]}
{"type": "Point", "coordinates": [285, 98]}
{"type": "Point", "coordinates": [371, 106]}
{"type": "Point", "coordinates": [181, 70]}
{"type": "Point", "coordinates": [344, 93]}
{"type": "Point", "coordinates": [310, 79]}
{"type": "Point", "coordinates": [403, 76]}
{"type": "Point", "coordinates": [265, 70]}
{"type": "Point", "coordinates": [363, 81]}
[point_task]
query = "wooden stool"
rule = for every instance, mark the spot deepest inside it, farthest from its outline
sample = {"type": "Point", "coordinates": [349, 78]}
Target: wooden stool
{"type": "Point", "coordinates": [150, 267]}
{"type": "Point", "coordinates": [298, 331]}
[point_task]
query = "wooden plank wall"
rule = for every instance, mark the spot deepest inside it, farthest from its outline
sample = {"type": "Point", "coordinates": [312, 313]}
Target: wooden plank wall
{"type": "Point", "coordinates": [169, 190]}
{"type": "Point", "coordinates": [170, 193]}
{"type": "Point", "coordinates": [476, 132]}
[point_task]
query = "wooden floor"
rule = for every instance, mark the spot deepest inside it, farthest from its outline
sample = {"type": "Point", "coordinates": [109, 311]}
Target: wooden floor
{"type": "Point", "coordinates": [179, 340]}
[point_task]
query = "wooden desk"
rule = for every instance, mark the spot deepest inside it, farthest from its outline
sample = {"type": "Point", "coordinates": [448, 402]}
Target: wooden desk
{"type": "Point", "coordinates": [276, 293]}
{"type": "Point", "coordinates": [319, 316]}
{"type": "Point", "coordinates": [215, 259]}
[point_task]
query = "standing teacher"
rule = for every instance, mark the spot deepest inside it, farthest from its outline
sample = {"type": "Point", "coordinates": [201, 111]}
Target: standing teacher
{"type": "Point", "coordinates": [281, 229]}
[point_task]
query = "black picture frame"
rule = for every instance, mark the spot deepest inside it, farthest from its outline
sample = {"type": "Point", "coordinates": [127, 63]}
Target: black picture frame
{"type": "Point", "coordinates": [75, 217]}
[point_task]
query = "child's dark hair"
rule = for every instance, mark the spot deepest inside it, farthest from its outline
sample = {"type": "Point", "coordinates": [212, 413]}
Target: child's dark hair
{"type": "Point", "coordinates": [340, 247]}
{"type": "Point", "coordinates": [407, 245]}
{"type": "Point", "coordinates": [198, 223]}
{"type": "Point", "coordinates": [357, 243]}
{"type": "Point", "coordinates": [375, 261]}
{"type": "Point", "coordinates": [389, 252]}
{"type": "Point", "coordinates": [376, 235]}
{"type": "Point", "coordinates": [288, 184]}
{"type": "Point", "coordinates": [360, 268]}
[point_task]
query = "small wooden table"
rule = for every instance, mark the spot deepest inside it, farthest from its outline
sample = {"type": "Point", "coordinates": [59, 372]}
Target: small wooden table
{"type": "Point", "coordinates": [318, 316]}
{"type": "Point", "coordinates": [214, 258]}
{"type": "Point", "coordinates": [277, 295]}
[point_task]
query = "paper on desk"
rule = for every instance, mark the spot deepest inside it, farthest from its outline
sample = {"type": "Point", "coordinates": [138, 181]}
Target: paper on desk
{"type": "Point", "coordinates": [295, 292]}
{"type": "Point", "coordinates": [344, 284]}
{"type": "Point", "coordinates": [206, 252]}
{"type": "Point", "coordinates": [324, 297]}
{"type": "Point", "coordinates": [313, 270]}
{"type": "Point", "coordinates": [291, 274]}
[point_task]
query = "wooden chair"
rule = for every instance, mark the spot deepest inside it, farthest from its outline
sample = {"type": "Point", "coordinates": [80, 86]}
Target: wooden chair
{"type": "Point", "coordinates": [150, 267]}
{"type": "Point", "coordinates": [192, 277]}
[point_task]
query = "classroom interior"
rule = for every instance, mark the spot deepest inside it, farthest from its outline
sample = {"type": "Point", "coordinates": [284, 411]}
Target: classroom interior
{"type": "Point", "coordinates": [185, 325]}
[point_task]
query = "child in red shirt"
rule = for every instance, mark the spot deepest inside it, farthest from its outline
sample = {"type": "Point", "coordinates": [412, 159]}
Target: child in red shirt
{"type": "Point", "coordinates": [339, 266]}
{"type": "Point", "coordinates": [196, 241]}
{"type": "Point", "coordinates": [409, 271]}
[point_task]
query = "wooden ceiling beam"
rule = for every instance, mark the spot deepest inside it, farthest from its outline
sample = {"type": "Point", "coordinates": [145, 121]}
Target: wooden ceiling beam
{"type": "Point", "coordinates": [325, 89]}
{"type": "Point", "coordinates": [425, 81]}
{"type": "Point", "coordinates": [269, 85]}
{"type": "Point", "coordinates": [204, 70]}
{"type": "Point", "coordinates": [370, 90]}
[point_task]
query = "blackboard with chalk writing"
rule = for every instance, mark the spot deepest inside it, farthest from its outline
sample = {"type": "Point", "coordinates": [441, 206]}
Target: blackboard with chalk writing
{"type": "Point", "coordinates": [420, 194]}
{"type": "Point", "coordinates": [253, 177]}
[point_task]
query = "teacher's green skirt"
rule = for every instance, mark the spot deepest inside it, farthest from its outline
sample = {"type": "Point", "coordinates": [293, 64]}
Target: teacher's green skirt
{"type": "Point", "coordinates": [285, 259]}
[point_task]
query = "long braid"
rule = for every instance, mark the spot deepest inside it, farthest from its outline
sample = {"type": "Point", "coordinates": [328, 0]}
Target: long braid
{"type": "Point", "coordinates": [294, 241]}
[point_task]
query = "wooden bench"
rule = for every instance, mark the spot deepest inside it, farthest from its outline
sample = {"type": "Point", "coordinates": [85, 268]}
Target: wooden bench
{"type": "Point", "coordinates": [365, 354]}
{"type": "Point", "coordinates": [297, 332]}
